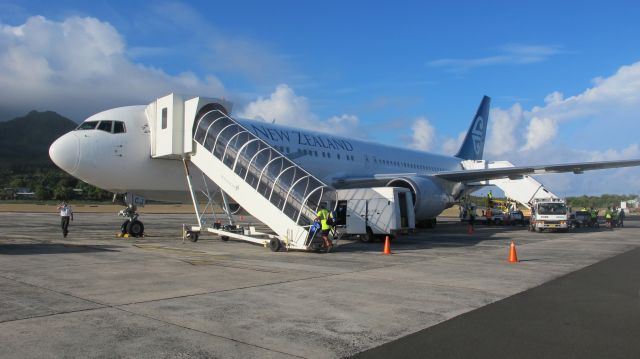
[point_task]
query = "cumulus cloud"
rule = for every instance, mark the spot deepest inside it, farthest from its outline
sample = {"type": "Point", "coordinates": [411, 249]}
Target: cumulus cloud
{"type": "Point", "coordinates": [501, 134]}
{"type": "Point", "coordinates": [599, 124]}
{"type": "Point", "coordinates": [539, 132]}
{"type": "Point", "coordinates": [450, 146]}
{"type": "Point", "coordinates": [79, 66]}
{"type": "Point", "coordinates": [424, 135]}
{"type": "Point", "coordinates": [287, 108]}
{"type": "Point", "coordinates": [603, 111]}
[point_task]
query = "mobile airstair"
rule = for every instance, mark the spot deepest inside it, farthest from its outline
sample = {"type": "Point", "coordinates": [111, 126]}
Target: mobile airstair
{"type": "Point", "coordinates": [523, 190]}
{"type": "Point", "coordinates": [268, 185]}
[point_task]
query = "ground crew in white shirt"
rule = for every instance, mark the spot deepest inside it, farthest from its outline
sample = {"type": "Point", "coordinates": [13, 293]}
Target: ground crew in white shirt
{"type": "Point", "coordinates": [66, 213]}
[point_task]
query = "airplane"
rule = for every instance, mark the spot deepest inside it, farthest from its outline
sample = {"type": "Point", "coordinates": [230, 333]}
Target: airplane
{"type": "Point", "coordinates": [112, 151]}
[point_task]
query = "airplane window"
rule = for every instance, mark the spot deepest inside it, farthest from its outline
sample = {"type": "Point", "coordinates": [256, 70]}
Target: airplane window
{"type": "Point", "coordinates": [118, 127]}
{"type": "Point", "coordinates": [105, 126]}
{"type": "Point", "coordinates": [89, 125]}
{"type": "Point", "coordinates": [338, 155]}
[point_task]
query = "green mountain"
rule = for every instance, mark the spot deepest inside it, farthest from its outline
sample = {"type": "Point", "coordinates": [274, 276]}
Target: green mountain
{"type": "Point", "coordinates": [25, 141]}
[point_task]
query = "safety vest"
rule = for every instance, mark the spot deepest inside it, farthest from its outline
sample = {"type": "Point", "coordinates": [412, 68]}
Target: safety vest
{"type": "Point", "coordinates": [323, 214]}
{"type": "Point", "coordinates": [607, 215]}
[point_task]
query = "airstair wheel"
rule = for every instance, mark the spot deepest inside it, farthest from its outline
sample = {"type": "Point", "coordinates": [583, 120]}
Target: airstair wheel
{"type": "Point", "coordinates": [274, 244]}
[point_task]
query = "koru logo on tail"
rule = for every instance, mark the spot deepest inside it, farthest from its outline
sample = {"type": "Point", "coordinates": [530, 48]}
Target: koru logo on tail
{"type": "Point", "coordinates": [477, 134]}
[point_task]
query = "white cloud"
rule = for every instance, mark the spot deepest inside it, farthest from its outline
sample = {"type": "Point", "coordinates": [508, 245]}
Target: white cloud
{"type": "Point", "coordinates": [501, 134]}
{"type": "Point", "coordinates": [287, 108]}
{"type": "Point", "coordinates": [539, 132]}
{"type": "Point", "coordinates": [515, 54]}
{"type": "Point", "coordinates": [424, 135]}
{"type": "Point", "coordinates": [608, 110]}
{"type": "Point", "coordinates": [79, 66]}
{"type": "Point", "coordinates": [450, 146]}
{"type": "Point", "coordinates": [599, 124]}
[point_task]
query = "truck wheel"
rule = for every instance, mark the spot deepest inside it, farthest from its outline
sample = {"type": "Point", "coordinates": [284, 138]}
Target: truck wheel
{"type": "Point", "coordinates": [368, 237]}
{"type": "Point", "coordinates": [274, 244]}
{"type": "Point", "coordinates": [135, 228]}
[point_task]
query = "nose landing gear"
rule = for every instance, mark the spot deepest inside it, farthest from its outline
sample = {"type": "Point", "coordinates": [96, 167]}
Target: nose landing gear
{"type": "Point", "coordinates": [131, 226]}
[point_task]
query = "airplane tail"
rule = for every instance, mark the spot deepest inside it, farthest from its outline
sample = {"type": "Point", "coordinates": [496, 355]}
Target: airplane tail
{"type": "Point", "coordinates": [473, 145]}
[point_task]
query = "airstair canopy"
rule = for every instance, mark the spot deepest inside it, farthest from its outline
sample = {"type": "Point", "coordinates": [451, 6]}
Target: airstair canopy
{"type": "Point", "coordinates": [288, 187]}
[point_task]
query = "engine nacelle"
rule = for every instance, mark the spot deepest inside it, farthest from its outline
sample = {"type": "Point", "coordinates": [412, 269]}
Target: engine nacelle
{"type": "Point", "coordinates": [430, 197]}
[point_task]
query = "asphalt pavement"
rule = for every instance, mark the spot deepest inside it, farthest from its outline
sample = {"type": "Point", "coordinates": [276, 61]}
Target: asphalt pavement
{"type": "Point", "coordinates": [591, 313]}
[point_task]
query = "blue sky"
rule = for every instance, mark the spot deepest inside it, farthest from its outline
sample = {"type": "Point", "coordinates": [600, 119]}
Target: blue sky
{"type": "Point", "coordinates": [564, 76]}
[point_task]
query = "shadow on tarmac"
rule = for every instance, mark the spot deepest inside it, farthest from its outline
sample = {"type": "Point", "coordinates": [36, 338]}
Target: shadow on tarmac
{"type": "Point", "coordinates": [53, 248]}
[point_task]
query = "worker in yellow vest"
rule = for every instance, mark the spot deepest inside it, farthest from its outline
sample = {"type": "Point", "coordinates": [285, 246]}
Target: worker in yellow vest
{"type": "Point", "coordinates": [323, 216]}
{"type": "Point", "coordinates": [608, 217]}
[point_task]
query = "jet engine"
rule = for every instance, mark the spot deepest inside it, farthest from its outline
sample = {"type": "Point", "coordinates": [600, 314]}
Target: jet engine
{"type": "Point", "coordinates": [430, 196]}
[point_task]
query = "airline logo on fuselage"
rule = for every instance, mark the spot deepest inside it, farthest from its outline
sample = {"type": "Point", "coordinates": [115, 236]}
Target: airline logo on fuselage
{"type": "Point", "coordinates": [477, 133]}
{"type": "Point", "coordinates": [276, 135]}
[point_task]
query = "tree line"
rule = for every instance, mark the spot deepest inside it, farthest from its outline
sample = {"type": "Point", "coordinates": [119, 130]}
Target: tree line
{"type": "Point", "coordinates": [48, 184]}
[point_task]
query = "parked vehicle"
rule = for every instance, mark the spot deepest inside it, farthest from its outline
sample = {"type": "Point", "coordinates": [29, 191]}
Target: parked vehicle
{"type": "Point", "coordinates": [550, 214]}
{"type": "Point", "coordinates": [517, 217]}
{"type": "Point", "coordinates": [581, 219]}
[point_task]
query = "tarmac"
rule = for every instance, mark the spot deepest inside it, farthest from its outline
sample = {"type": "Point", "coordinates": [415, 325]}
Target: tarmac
{"type": "Point", "coordinates": [442, 293]}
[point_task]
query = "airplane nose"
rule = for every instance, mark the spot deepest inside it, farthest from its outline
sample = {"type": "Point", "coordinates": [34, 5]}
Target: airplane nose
{"type": "Point", "coordinates": [65, 152]}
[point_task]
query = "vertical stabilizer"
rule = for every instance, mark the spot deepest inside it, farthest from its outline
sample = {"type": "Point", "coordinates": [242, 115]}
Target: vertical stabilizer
{"type": "Point", "coordinates": [473, 145]}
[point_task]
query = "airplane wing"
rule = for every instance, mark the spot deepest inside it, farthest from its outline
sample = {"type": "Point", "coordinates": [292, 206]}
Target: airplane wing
{"type": "Point", "coordinates": [486, 174]}
{"type": "Point", "coordinates": [518, 172]}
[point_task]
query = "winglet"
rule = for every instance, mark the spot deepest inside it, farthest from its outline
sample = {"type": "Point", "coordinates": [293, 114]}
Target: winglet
{"type": "Point", "coordinates": [473, 145]}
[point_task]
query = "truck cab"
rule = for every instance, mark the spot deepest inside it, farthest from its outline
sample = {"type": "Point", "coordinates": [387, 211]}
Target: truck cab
{"type": "Point", "coordinates": [549, 214]}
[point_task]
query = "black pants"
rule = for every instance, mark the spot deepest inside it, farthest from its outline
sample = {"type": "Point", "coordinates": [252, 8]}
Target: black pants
{"type": "Point", "coordinates": [64, 223]}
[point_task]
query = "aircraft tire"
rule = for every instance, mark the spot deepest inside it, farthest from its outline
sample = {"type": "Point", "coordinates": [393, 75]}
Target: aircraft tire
{"type": "Point", "coordinates": [135, 228]}
{"type": "Point", "coordinates": [274, 244]}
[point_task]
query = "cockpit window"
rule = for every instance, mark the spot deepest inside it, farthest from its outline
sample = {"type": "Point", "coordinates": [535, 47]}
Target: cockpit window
{"type": "Point", "coordinates": [89, 125]}
{"type": "Point", "coordinates": [118, 127]}
{"type": "Point", "coordinates": [105, 126]}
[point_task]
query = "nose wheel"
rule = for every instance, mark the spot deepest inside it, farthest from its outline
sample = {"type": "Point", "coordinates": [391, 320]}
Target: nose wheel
{"type": "Point", "coordinates": [132, 226]}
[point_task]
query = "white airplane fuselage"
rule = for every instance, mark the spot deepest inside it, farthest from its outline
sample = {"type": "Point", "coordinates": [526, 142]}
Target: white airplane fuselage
{"type": "Point", "coordinates": [112, 150]}
{"type": "Point", "coordinates": [122, 162]}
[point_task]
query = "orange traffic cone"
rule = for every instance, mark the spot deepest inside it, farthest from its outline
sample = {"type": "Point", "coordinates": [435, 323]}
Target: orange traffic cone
{"type": "Point", "coordinates": [513, 256]}
{"type": "Point", "coordinates": [387, 246]}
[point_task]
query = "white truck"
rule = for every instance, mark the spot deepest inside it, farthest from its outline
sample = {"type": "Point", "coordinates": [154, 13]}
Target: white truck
{"type": "Point", "coordinates": [374, 212]}
{"type": "Point", "coordinates": [550, 214]}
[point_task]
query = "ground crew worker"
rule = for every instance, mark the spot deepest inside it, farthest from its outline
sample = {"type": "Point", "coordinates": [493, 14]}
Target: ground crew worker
{"type": "Point", "coordinates": [322, 216]}
{"type": "Point", "coordinates": [594, 217]}
{"type": "Point", "coordinates": [621, 217]}
{"type": "Point", "coordinates": [608, 216]}
{"type": "Point", "coordinates": [66, 213]}
{"type": "Point", "coordinates": [489, 199]}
